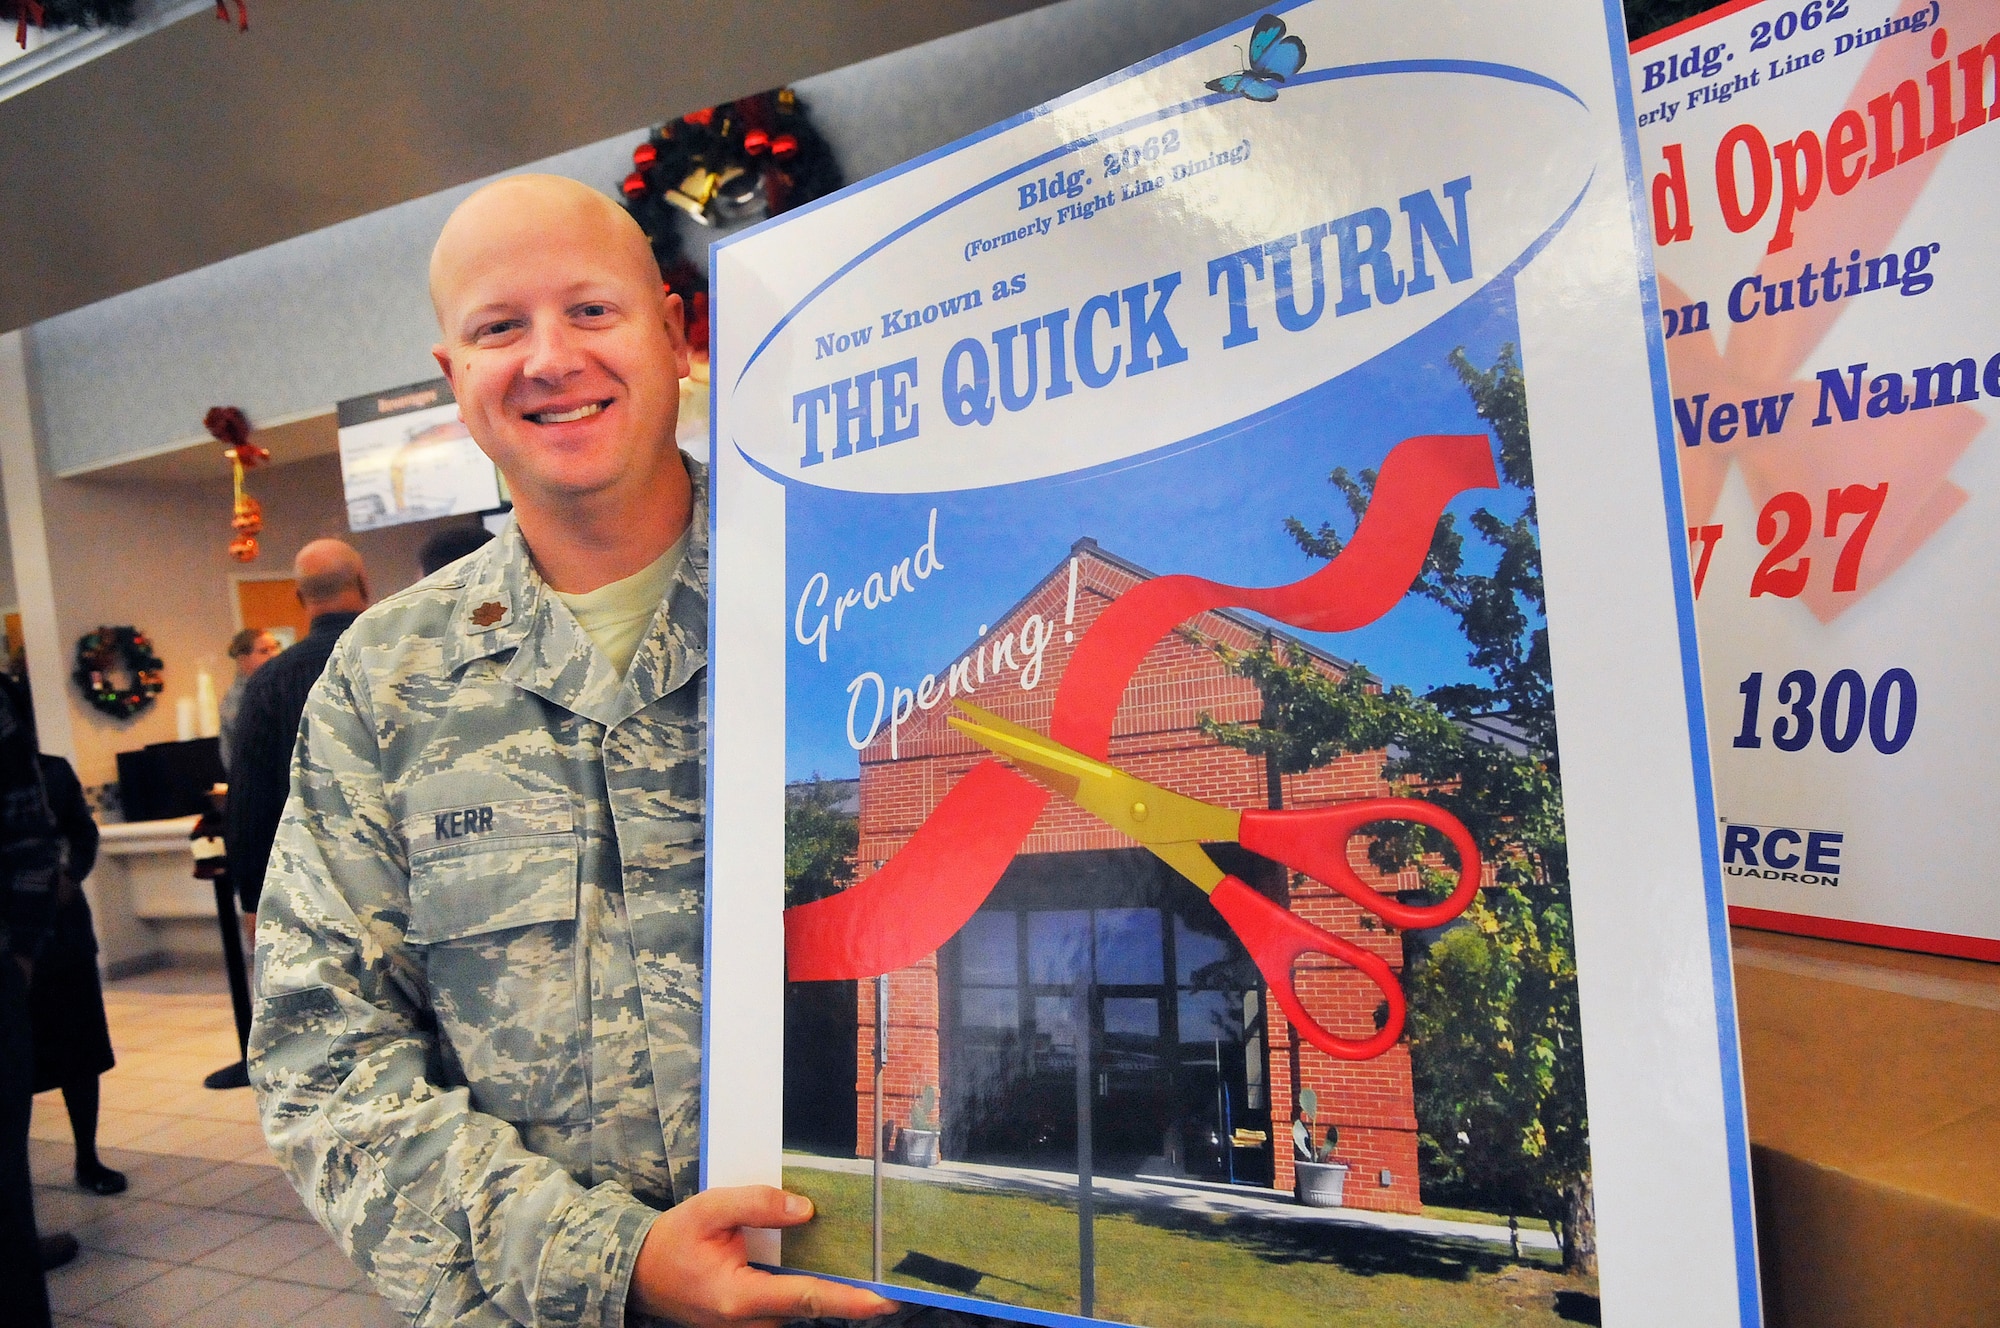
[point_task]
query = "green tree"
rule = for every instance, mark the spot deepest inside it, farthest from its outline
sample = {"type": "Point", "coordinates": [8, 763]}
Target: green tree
{"type": "Point", "coordinates": [820, 840]}
{"type": "Point", "coordinates": [820, 843]}
{"type": "Point", "coordinates": [1497, 1059]}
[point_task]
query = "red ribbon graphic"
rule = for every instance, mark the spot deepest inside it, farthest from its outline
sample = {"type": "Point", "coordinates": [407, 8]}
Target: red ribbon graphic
{"type": "Point", "coordinates": [923, 895]}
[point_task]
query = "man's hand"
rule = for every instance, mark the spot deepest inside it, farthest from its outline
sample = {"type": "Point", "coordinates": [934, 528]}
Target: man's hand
{"type": "Point", "coordinates": [692, 1268]}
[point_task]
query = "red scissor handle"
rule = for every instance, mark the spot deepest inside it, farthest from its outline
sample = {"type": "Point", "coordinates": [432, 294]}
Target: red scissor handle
{"type": "Point", "coordinates": [1275, 937]}
{"type": "Point", "coordinates": [1314, 840]}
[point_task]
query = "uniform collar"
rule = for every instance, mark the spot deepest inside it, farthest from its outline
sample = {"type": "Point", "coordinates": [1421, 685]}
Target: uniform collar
{"type": "Point", "coordinates": [505, 606]}
{"type": "Point", "coordinates": [675, 648]}
{"type": "Point", "coordinates": [331, 624]}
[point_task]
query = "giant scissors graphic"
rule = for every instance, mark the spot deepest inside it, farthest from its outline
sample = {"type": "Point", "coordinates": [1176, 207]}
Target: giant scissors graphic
{"type": "Point", "coordinates": [941, 875]}
{"type": "Point", "coordinates": [1311, 840]}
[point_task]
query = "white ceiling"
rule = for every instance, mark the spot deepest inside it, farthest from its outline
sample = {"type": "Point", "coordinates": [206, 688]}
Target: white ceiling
{"type": "Point", "coordinates": [194, 143]}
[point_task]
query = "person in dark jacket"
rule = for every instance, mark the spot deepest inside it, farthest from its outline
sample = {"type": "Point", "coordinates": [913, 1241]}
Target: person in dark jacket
{"type": "Point", "coordinates": [449, 545]}
{"type": "Point", "coordinates": [333, 587]}
{"type": "Point", "coordinates": [30, 863]}
{"type": "Point", "coordinates": [72, 1039]}
{"type": "Point", "coordinates": [66, 999]}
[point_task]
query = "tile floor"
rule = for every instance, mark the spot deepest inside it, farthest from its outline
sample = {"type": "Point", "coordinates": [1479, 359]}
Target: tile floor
{"type": "Point", "coordinates": [209, 1235]}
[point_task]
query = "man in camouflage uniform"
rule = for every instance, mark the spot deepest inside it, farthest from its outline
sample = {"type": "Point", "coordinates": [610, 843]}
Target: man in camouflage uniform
{"type": "Point", "coordinates": [478, 1023]}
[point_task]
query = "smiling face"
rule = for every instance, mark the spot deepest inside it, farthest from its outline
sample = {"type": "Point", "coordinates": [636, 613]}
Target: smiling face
{"type": "Point", "coordinates": [564, 352]}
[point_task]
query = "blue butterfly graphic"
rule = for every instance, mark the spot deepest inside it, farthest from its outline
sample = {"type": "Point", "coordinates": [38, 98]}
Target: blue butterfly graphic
{"type": "Point", "coordinates": [1274, 58]}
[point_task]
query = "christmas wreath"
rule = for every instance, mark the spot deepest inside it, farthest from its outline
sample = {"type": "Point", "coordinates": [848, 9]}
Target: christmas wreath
{"type": "Point", "coordinates": [67, 14]}
{"type": "Point", "coordinates": [48, 14]}
{"type": "Point", "coordinates": [102, 654]}
{"type": "Point", "coordinates": [737, 162]}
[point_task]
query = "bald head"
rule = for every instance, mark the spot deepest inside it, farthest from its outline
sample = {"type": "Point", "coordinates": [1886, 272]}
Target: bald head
{"type": "Point", "coordinates": [565, 356]}
{"type": "Point", "coordinates": [331, 578]}
{"type": "Point", "coordinates": [538, 211]}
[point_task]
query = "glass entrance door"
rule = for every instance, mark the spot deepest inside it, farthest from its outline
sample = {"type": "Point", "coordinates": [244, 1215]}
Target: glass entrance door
{"type": "Point", "coordinates": [1113, 958]}
{"type": "Point", "coordinates": [1112, 948]}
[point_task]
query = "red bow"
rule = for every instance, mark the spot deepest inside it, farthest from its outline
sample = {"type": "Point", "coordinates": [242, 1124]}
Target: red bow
{"type": "Point", "coordinates": [230, 427]}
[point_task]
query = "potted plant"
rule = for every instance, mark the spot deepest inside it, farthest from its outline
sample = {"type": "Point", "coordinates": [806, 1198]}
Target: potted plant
{"type": "Point", "coordinates": [919, 1143]}
{"type": "Point", "coordinates": [1319, 1181]}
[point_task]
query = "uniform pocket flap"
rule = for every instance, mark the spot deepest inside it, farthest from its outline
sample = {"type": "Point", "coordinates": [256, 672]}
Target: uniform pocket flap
{"type": "Point", "coordinates": [512, 883]}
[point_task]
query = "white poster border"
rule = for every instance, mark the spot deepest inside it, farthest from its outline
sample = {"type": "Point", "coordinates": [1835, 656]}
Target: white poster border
{"type": "Point", "coordinates": [1665, 1088]}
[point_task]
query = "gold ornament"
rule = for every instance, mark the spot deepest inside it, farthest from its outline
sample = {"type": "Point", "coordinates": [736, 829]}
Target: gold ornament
{"type": "Point", "coordinates": [249, 518]}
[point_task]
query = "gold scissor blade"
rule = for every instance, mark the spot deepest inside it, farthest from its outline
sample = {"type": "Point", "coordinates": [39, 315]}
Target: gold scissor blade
{"type": "Point", "coordinates": [1054, 768]}
{"type": "Point", "coordinates": [1145, 812]}
{"type": "Point", "coordinates": [986, 719]}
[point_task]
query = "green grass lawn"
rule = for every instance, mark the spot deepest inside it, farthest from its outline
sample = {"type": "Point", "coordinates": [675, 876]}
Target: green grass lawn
{"type": "Point", "coordinates": [1172, 1269]}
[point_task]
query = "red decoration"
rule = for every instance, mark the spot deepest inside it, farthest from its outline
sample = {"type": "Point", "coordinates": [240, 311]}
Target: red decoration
{"type": "Point", "coordinates": [249, 518]}
{"type": "Point", "coordinates": [49, 15]}
{"type": "Point", "coordinates": [242, 21]}
{"type": "Point", "coordinates": [230, 426]}
{"type": "Point", "coordinates": [697, 323]}
{"type": "Point", "coordinates": [31, 12]}
{"type": "Point", "coordinates": [722, 166]}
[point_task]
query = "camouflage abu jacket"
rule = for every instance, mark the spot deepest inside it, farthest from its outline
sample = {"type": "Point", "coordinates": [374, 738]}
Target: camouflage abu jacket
{"type": "Point", "coordinates": [478, 1016]}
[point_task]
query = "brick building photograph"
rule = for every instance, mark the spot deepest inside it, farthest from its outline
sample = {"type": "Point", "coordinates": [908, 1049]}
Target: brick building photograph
{"type": "Point", "coordinates": [1089, 945]}
{"type": "Point", "coordinates": [1075, 1073]}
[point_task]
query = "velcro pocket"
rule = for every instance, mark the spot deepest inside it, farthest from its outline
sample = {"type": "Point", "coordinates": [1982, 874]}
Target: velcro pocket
{"type": "Point", "coordinates": [497, 928]}
{"type": "Point", "coordinates": [493, 886]}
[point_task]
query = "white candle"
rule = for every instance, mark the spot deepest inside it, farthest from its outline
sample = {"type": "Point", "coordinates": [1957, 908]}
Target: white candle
{"type": "Point", "coordinates": [207, 713]}
{"type": "Point", "coordinates": [184, 716]}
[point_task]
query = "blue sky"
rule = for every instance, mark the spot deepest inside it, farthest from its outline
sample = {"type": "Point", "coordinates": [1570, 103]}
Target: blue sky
{"type": "Point", "coordinates": [1210, 508]}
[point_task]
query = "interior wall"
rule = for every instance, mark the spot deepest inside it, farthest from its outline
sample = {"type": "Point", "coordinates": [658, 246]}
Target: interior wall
{"type": "Point", "coordinates": [342, 312]}
{"type": "Point", "coordinates": [120, 555]}
{"type": "Point", "coordinates": [10, 599]}
{"type": "Point", "coordinates": [156, 557]}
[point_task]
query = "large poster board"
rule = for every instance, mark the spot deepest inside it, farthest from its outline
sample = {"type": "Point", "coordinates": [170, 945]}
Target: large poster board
{"type": "Point", "coordinates": [406, 456]}
{"type": "Point", "coordinates": [1241, 401]}
{"type": "Point", "coordinates": [1820, 179]}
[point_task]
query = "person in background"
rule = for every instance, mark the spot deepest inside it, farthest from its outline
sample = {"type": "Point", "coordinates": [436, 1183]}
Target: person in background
{"type": "Point", "coordinates": [251, 649]}
{"type": "Point", "coordinates": [333, 587]}
{"type": "Point", "coordinates": [66, 999]}
{"type": "Point", "coordinates": [30, 864]}
{"type": "Point", "coordinates": [449, 545]}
